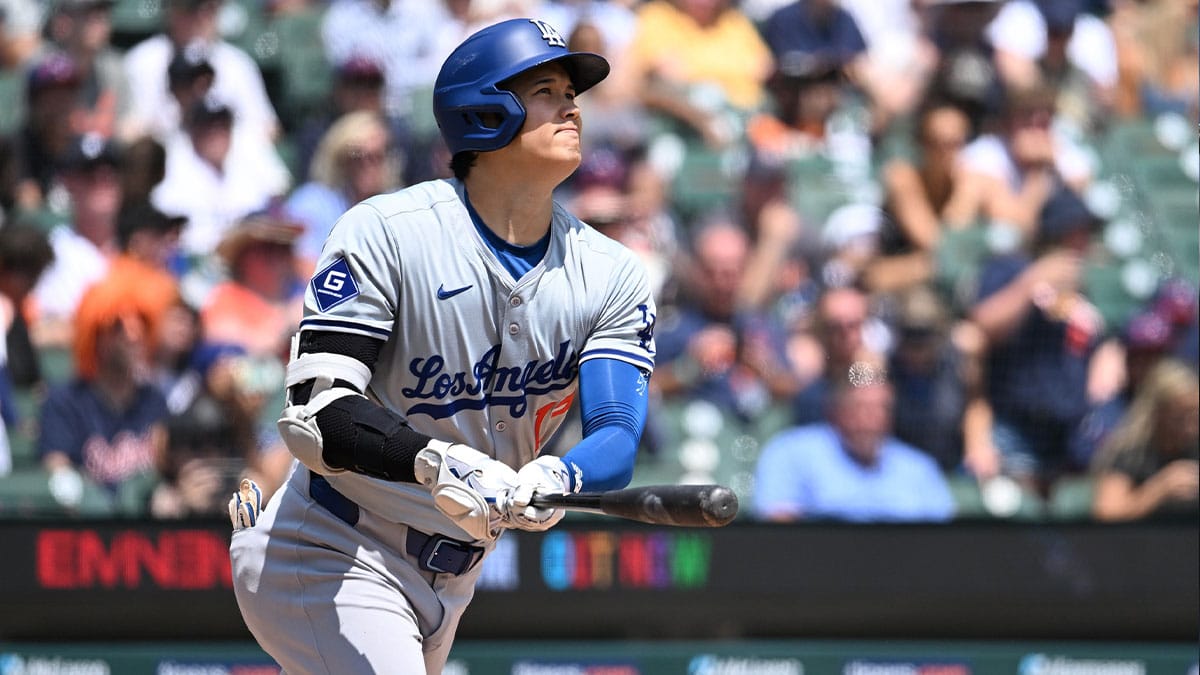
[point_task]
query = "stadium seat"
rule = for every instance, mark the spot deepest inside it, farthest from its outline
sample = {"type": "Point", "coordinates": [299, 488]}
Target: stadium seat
{"type": "Point", "coordinates": [27, 493]}
{"type": "Point", "coordinates": [12, 113]}
{"type": "Point", "coordinates": [1071, 498]}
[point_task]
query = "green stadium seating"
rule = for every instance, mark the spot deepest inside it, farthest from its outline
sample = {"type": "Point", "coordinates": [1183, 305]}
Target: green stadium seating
{"type": "Point", "coordinates": [12, 92]}
{"type": "Point", "coordinates": [1071, 498]}
{"type": "Point", "coordinates": [26, 493]}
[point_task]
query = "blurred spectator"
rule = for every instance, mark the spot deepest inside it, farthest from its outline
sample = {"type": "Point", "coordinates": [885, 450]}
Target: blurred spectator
{"type": "Point", "coordinates": [1042, 332]}
{"type": "Point", "coordinates": [190, 77]}
{"type": "Point", "coordinates": [1045, 41]}
{"type": "Point", "coordinates": [143, 166]}
{"type": "Point", "coordinates": [52, 86]}
{"type": "Point", "coordinates": [237, 80]}
{"type": "Point", "coordinates": [259, 307]}
{"type": "Point", "coordinates": [965, 72]}
{"type": "Point", "coordinates": [899, 60]}
{"type": "Point", "coordinates": [824, 352]}
{"type": "Point", "coordinates": [25, 253]}
{"type": "Point", "coordinates": [705, 349]}
{"type": "Point", "coordinates": [614, 116]}
{"type": "Point", "coordinates": [1019, 168]}
{"type": "Point", "coordinates": [407, 38]}
{"type": "Point", "coordinates": [806, 33]}
{"type": "Point", "coordinates": [1157, 57]}
{"type": "Point", "coordinates": [814, 30]}
{"type": "Point", "coordinates": [215, 175]}
{"type": "Point", "coordinates": [202, 464]}
{"type": "Point", "coordinates": [147, 239]}
{"type": "Point", "coordinates": [83, 248]}
{"type": "Point", "coordinates": [1158, 332]}
{"type": "Point", "coordinates": [850, 467]}
{"type": "Point", "coordinates": [806, 95]}
{"type": "Point", "coordinates": [83, 29]}
{"type": "Point", "coordinates": [923, 196]}
{"type": "Point", "coordinates": [357, 87]}
{"type": "Point", "coordinates": [1150, 464]}
{"type": "Point", "coordinates": [697, 61]}
{"type": "Point", "coordinates": [935, 370]}
{"type": "Point", "coordinates": [354, 161]}
{"type": "Point", "coordinates": [20, 31]}
{"type": "Point", "coordinates": [107, 422]}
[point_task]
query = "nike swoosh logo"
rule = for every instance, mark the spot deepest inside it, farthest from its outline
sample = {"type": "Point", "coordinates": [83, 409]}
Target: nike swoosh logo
{"type": "Point", "coordinates": [444, 294]}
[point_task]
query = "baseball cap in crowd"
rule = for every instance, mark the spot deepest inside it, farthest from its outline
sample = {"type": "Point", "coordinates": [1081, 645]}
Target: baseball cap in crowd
{"type": "Point", "coordinates": [1147, 331]}
{"type": "Point", "coordinates": [209, 111]}
{"type": "Point", "coordinates": [54, 69]}
{"type": "Point", "coordinates": [359, 69]}
{"type": "Point", "coordinates": [143, 217]}
{"type": "Point", "coordinates": [1176, 302]}
{"type": "Point", "coordinates": [188, 64]}
{"type": "Point", "coordinates": [1060, 15]}
{"type": "Point", "coordinates": [262, 227]}
{"type": "Point", "coordinates": [922, 314]}
{"type": "Point", "coordinates": [88, 151]}
{"type": "Point", "coordinates": [1063, 214]}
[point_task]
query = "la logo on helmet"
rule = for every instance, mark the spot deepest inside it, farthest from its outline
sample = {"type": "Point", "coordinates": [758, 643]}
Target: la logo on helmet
{"type": "Point", "coordinates": [549, 33]}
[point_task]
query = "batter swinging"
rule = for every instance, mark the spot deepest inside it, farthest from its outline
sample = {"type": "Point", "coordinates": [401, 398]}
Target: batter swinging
{"type": "Point", "coordinates": [450, 327]}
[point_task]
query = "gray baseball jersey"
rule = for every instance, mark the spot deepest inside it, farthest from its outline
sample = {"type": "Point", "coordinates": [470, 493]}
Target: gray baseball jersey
{"type": "Point", "coordinates": [470, 356]}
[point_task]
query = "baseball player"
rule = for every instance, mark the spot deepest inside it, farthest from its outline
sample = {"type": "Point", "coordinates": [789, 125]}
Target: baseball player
{"type": "Point", "coordinates": [448, 330]}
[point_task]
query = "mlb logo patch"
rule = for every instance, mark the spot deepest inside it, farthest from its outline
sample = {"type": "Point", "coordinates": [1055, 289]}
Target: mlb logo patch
{"type": "Point", "coordinates": [333, 285]}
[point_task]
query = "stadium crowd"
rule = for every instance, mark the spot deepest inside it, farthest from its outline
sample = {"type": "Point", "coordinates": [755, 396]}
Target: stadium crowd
{"type": "Point", "coordinates": [914, 259]}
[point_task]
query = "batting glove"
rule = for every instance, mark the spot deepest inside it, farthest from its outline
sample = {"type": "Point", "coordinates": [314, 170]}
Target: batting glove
{"type": "Point", "coordinates": [546, 475]}
{"type": "Point", "coordinates": [245, 505]}
{"type": "Point", "coordinates": [465, 485]}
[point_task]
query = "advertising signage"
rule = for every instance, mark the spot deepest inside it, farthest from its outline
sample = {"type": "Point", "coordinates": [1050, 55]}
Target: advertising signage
{"type": "Point", "coordinates": [63, 580]}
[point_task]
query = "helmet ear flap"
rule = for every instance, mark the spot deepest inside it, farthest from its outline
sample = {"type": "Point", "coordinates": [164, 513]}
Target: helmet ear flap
{"type": "Point", "coordinates": [483, 122]}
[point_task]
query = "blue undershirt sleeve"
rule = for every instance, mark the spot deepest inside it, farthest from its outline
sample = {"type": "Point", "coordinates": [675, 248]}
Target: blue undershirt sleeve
{"type": "Point", "coordinates": [612, 401]}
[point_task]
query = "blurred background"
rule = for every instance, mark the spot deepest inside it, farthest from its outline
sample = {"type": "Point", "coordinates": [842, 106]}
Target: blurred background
{"type": "Point", "coordinates": [926, 274]}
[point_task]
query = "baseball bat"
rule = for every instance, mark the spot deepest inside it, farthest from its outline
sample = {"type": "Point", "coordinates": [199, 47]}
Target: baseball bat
{"type": "Point", "coordinates": [678, 505]}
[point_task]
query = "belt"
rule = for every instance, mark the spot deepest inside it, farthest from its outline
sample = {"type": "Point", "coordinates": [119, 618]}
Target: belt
{"type": "Point", "coordinates": [434, 552]}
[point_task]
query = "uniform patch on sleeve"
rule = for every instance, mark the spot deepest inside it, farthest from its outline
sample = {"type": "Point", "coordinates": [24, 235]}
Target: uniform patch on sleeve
{"type": "Point", "coordinates": [333, 285]}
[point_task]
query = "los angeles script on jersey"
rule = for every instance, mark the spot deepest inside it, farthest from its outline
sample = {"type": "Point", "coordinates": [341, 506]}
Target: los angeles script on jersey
{"type": "Point", "coordinates": [488, 383]}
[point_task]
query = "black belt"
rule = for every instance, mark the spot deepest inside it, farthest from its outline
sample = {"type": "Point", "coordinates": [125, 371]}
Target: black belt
{"type": "Point", "coordinates": [434, 552]}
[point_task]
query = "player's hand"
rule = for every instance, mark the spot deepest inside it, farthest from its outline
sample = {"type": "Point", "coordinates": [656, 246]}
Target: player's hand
{"type": "Point", "coordinates": [545, 475]}
{"type": "Point", "coordinates": [465, 485]}
{"type": "Point", "coordinates": [245, 505]}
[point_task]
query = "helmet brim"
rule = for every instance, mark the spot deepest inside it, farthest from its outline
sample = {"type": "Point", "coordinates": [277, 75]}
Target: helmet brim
{"type": "Point", "coordinates": [585, 69]}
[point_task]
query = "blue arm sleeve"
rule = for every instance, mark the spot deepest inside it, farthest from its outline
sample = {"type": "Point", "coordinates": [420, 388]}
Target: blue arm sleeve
{"type": "Point", "coordinates": [612, 401]}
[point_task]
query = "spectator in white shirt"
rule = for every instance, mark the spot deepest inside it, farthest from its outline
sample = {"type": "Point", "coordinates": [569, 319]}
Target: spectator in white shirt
{"type": "Point", "coordinates": [217, 172]}
{"type": "Point", "coordinates": [237, 78]}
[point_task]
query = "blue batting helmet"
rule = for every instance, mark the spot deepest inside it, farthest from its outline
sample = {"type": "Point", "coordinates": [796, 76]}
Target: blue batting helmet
{"type": "Point", "coordinates": [468, 85]}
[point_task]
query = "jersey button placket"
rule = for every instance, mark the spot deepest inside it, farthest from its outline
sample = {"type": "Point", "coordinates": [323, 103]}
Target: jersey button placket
{"type": "Point", "coordinates": [513, 328]}
{"type": "Point", "coordinates": [501, 425]}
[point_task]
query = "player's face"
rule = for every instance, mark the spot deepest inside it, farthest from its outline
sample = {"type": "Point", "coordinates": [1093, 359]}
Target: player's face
{"type": "Point", "coordinates": [552, 120]}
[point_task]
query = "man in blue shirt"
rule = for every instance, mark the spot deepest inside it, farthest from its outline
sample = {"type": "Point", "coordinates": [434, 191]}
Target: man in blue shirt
{"type": "Point", "coordinates": [850, 468]}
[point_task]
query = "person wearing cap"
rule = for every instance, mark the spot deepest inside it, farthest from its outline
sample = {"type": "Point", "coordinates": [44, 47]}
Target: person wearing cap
{"type": "Point", "coordinates": [1042, 333]}
{"type": "Point", "coordinates": [83, 29]}
{"type": "Point", "coordinates": [83, 248]}
{"type": "Point", "coordinates": [217, 172]}
{"type": "Point", "coordinates": [52, 84]}
{"type": "Point", "coordinates": [238, 81]}
{"type": "Point", "coordinates": [357, 87]}
{"type": "Point", "coordinates": [259, 306]}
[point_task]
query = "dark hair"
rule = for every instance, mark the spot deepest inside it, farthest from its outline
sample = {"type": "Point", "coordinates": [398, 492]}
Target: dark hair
{"type": "Point", "coordinates": [24, 248]}
{"type": "Point", "coordinates": [461, 164]}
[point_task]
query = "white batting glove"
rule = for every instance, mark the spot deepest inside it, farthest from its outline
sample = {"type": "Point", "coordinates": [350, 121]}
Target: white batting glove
{"type": "Point", "coordinates": [245, 505]}
{"type": "Point", "coordinates": [545, 475]}
{"type": "Point", "coordinates": [466, 484]}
